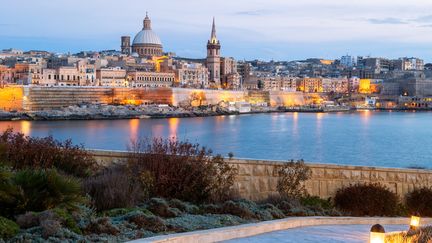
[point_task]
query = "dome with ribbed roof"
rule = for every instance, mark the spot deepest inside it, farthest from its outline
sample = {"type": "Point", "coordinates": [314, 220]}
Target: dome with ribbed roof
{"type": "Point", "coordinates": [147, 37]}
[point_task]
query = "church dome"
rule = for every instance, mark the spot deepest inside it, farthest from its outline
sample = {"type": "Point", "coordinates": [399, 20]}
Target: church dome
{"type": "Point", "coordinates": [147, 37]}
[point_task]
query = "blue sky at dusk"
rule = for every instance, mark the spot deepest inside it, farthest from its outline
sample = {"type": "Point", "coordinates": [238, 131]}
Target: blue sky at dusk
{"type": "Point", "coordinates": [247, 29]}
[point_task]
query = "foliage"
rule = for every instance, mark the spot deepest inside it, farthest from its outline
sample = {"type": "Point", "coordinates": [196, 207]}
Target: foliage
{"type": "Point", "coordinates": [20, 152]}
{"type": "Point", "coordinates": [115, 188]}
{"type": "Point", "coordinates": [38, 190]}
{"type": "Point", "coordinates": [182, 170]}
{"type": "Point", "coordinates": [8, 228]}
{"type": "Point", "coordinates": [9, 193]}
{"type": "Point", "coordinates": [316, 202]}
{"type": "Point", "coordinates": [292, 176]}
{"type": "Point", "coordinates": [101, 226]}
{"type": "Point", "coordinates": [367, 200]}
{"type": "Point", "coordinates": [46, 189]}
{"type": "Point", "coordinates": [420, 201]}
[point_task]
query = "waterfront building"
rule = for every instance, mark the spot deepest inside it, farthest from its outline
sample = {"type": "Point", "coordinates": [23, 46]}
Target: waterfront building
{"type": "Point", "coordinates": [139, 79]}
{"type": "Point", "coordinates": [279, 83]}
{"type": "Point", "coordinates": [335, 85]}
{"type": "Point", "coordinates": [113, 77]}
{"type": "Point", "coordinates": [191, 75]}
{"type": "Point", "coordinates": [310, 85]}
{"type": "Point", "coordinates": [230, 78]}
{"type": "Point", "coordinates": [213, 60]}
{"type": "Point", "coordinates": [354, 83]}
{"type": "Point", "coordinates": [6, 75]}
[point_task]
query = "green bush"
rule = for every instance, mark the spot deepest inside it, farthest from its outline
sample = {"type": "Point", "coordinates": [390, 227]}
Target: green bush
{"type": "Point", "coordinates": [38, 190]}
{"type": "Point", "coordinates": [420, 201]}
{"type": "Point", "coordinates": [8, 228]}
{"type": "Point", "coordinates": [366, 200]}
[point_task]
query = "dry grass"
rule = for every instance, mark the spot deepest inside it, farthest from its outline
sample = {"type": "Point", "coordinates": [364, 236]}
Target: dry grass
{"type": "Point", "coordinates": [422, 235]}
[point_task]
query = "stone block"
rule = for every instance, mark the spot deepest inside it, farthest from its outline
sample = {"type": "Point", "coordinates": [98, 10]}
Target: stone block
{"type": "Point", "coordinates": [356, 175]}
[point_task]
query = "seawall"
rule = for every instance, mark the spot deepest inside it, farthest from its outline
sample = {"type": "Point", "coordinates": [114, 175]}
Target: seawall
{"type": "Point", "coordinates": [37, 98]}
{"type": "Point", "coordinates": [257, 179]}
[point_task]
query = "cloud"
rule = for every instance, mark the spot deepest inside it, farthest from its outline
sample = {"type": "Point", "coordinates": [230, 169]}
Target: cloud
{"type": "Point", "coordinates": [252, 12]}
{"type": "Point", "coordinates": [423, 19]}
{"type": "Point", "coordinates": [387, 21]}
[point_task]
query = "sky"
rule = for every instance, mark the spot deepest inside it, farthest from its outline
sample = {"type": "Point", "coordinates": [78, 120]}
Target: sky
{"type": "Point", "coordinates": [247, 29]}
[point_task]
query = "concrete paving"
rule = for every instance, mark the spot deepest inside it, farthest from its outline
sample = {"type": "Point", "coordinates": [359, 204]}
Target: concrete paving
{"type": "Point", "coordinates": [322, 234]}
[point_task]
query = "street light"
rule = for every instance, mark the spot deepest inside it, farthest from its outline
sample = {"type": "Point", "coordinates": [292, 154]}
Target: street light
{"type": "Point", "coordinates": [415, 221]}
{"type": "Point", "coordinates": [377, 234]}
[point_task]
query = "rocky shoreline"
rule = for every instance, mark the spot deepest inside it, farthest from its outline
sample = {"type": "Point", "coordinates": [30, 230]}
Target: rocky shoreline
{"type": "Point", "coordinates": [110, 112]}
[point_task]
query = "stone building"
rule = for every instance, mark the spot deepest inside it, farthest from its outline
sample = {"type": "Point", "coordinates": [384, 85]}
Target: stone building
{"type": "Point", "coordinates": [310, 85]}
{"type": "Point", "coordinates": [213, 58]}
{"type": "Point", "coordinates": [335, 85]}
{"type": "Point", "coordinates": [191, 75]}
{"type": "Point", "coordinates": [138, 79]}
{"type": "Point", "coordinates": [113, 77]}
{"type": "Point", "coordinates": [230, 79]}
{"type": "Point", "coordinates": [279, 83]}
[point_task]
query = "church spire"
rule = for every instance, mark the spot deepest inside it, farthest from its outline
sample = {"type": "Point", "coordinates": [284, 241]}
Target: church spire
{"type": "Point", "coordinates": [213, 38]}
{"type": "Point", "coordinates": [147, 22]}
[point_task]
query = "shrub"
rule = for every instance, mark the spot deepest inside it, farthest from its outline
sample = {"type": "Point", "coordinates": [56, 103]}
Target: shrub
{"type": "Point", "coordinates": [315, 202]}
{"type": "Point", "coordinates": [292, 176]}
{"type": "Point", "coordinates": [182, 170]}
{"type": "Point", "coordinates": [22, 152]}
{"type": "Point", "coordinates": [101, 226]}
{"type": "Point", "coordinates": [420, 201]}
{"type": "Point", "coordinates": [366, 200]}
{"type": "Point", "coordinates": [8, 228]}
{"type": "Point", "coordinates": [148, 222]}
{"type": "Point", "coordinates": [47, 189]}
{"type": "Point", "coordinates": [160, 207]}
{"type": "Point", "coordinates": [9, 193]}
{"type": "Point", "coordinates": [115, 188]}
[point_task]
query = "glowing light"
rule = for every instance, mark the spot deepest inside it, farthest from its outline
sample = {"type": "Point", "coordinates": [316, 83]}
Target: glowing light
{"type": "Point", "coordinates": [365, 86]}
{"type": "Point", "coordinates": [415, 222]}
{"type": "Point", "coordinates": [377, 234]}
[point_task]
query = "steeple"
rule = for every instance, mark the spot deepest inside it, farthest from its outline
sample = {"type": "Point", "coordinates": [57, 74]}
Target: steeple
{"type": "Point", "coordinates": [213, 38]}
{"type": "Point", "coordinates": [147, 22]}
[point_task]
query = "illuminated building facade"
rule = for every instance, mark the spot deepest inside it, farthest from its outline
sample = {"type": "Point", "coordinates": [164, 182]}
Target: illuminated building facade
{"type": "Point", "coordinates": [113, 77]}
{"type": "Point", "coordinates": [138, 79]}
{"type": "Point", "coordinates": [310, 85]}
{"type": "Point", "coordinates": [193, 75]}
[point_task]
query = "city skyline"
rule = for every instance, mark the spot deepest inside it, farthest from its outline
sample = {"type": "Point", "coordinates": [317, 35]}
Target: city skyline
{"type": "Point", "coordinates": [247, 29]}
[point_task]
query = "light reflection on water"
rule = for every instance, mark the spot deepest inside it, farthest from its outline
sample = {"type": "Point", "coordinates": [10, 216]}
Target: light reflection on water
{"type": "Point", "coordinates": [394, 139]}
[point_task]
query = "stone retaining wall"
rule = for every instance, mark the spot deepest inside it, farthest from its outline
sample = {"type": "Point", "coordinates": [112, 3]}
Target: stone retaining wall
{"type": "Point", "coordinates": [257, 179]}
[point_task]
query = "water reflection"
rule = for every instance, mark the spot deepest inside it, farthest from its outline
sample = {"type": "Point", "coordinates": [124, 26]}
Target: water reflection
{"type": "Point", "coordinates": [364, 138]}
{"type": "Point", "coordinates": [134, 129]}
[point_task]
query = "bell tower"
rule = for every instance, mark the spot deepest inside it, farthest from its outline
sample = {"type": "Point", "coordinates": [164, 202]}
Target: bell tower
{"type": "Point", "coordinates": [213, 57]}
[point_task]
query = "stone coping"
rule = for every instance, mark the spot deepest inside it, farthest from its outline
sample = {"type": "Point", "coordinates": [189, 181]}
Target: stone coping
{"type": "Point", "coordinates": [122, 154]}
{"type": "Point", "coordinates": [247, 230]}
